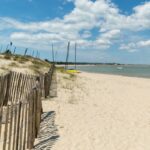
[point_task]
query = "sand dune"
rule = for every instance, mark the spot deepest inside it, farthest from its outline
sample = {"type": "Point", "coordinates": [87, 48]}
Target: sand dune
{"type": "Point", "coordinates": [102, 112]}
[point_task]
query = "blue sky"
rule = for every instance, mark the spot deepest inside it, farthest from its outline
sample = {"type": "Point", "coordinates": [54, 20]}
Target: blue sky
{"type": "Point", "coordinates": [105, 30]}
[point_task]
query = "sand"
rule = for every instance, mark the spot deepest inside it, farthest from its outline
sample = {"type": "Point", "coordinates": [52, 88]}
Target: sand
{"type": "Point", "coordinates": [25, 67]}
{"type": "Point", "coordinates": [101, 112]}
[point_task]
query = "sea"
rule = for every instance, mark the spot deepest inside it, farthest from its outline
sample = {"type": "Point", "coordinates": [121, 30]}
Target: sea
{"type": "Point", "coordinates": [142, 71]}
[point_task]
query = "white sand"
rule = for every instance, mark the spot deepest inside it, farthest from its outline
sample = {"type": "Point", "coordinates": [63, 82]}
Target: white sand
{"type": "Point", "coordinates": [102, 112]}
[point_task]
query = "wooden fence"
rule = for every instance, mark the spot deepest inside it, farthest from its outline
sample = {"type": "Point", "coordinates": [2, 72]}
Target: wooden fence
{"type": "Point", "coordinates": [21, 108]}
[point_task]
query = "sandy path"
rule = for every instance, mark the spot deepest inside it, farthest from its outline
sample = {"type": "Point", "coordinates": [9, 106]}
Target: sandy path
{"type": "Point", "coordinates": [102, 112]}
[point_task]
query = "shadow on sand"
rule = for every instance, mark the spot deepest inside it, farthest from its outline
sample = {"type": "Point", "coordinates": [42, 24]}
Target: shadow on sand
{"type": "Point", "coordinates": [48, 134]}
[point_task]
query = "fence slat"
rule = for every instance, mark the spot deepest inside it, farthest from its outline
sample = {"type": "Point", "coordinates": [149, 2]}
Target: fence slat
{"type": "Point", "coordinates": [6, 128]}
{"type": "Point", "coordinates": [18, 123]}
{"type": "Point", "coordinates": [1, 117]}
{"type": "Point", "coordinates": [15, 120]}
{"type": "Point", "coordinates": [21, 126]}
{"type": "Point", "coordinates": [10, 127]}
{"type": "Point", "coordinates": [25, 127]}
{"type": "Point", "coordinates": [34, 115]}
{"type": "Point", "coordinates": [30, 122]}
{"type": "Point", "coordinates": [7, 89]}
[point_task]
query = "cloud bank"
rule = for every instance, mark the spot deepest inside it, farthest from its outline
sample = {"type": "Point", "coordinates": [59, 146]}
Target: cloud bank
{"type": "Point", "coordinates": [104, 16]}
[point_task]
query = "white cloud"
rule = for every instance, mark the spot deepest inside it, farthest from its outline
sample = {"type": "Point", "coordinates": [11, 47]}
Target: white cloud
{"type": "Point", "coordinates": [86, 15]}
{"type": "Point", "coordinates": [144, 44]}
{"type": "Point", "coordinates": [108, 38]}
{"type": "Point", "coordinates": [139, 20]}
{"type": "Point", "coordinates": [86, 34]}
{"type": "Point", "coordinates": [112, 34]}
{"type": "Point", "coordinates": [132, 47]}
{"type": "Point", "coordinates": [35, 37]}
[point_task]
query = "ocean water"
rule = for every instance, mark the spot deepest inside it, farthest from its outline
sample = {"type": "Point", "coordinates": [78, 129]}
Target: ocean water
{"type": "Point", "coordinates": [125, 70]}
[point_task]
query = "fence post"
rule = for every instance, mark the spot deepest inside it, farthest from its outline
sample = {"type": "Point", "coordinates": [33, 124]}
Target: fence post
{"type": "Point", "coordinates": [6, 128]}
{"type": "Point", "coordinates": [25, 128]}
{"type": "Point", "coordinates": [7, 89]}
{"type": "Point", "coordinates": [11, 125]}
{"type": "Point", "coordinates": [46, 85]}
{"type": "Point", "coordinates": [38, 113]}
{"type": "Point", "coordinates": [18, 123]}
{"type": "Point", "coordinates": [30, 121]}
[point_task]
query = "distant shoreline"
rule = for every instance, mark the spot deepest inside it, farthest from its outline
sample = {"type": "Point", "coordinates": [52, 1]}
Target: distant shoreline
{"type": "Point", "coordinates": [102, 64]}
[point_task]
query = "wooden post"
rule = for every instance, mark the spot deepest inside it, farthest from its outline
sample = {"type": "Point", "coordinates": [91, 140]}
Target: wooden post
{"type": "Point", "coordinates": [6, 128]}
{"type": "Point", "coordinates": [68, 47]}
{"type": "Point", "coordinates": [7, 89]}
{"type": "Point", "coordinates": [25, 127]}
{"type": "Point", "coordinates": [13, 80]}
{"type": "Point", "coordinates": [34, 115]}
{"type": "Point", "coordinates": [75, 56]}
{"type": "Point", "coordinates": [10, 127]}
{"type": "Point", "coordinates": [38, 113]}
{"type": "Point", "coordinates": [1, 116]}
{"type": "Point", "coordinates": [53, 53]}
{"type": "Point", "coordinates": [21, 126]}
{"type": "Point", "coordinates": [15, 127]}
{"type": "Point", "coordinates": [18, 123]}
{"type": "Point", "coordinates": [46, 85]}
{"type": "Point", "coordinates": [18, 86]}
{"type": "Point", "coordinates": [30, 121]}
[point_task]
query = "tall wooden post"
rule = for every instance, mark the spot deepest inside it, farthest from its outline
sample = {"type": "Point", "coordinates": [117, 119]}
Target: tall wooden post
{"type": "Point", "coordinates": [53, 53]}
{"type": "Point", "coordinates": [68, 47]}
{"type": "Point", "coordinates": [75, 56]}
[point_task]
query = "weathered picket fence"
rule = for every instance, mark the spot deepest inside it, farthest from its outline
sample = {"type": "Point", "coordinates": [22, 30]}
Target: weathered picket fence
{"type": "Point", "coordinates": [21, 108]}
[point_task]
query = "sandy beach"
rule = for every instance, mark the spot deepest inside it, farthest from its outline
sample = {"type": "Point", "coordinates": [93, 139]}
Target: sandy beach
{"type": "Point", "coordinates": [101, 112]}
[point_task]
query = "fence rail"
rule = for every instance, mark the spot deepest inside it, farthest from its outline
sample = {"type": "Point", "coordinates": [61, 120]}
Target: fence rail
{"type": "Point", "coordinates": [21, 108]}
